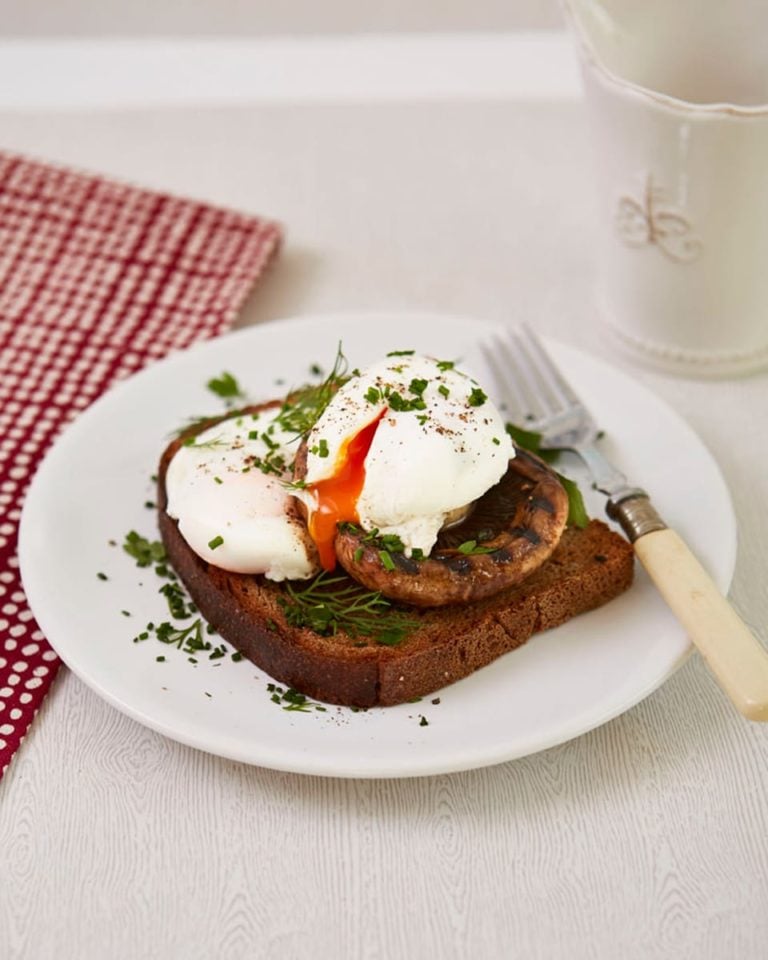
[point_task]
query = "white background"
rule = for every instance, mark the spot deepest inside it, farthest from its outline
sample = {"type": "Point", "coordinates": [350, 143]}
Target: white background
{"type": "Point", "coordinates": [259, 17]}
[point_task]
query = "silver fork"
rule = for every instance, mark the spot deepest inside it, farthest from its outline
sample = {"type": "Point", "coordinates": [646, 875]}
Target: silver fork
{"type": "Point", "coordinates": [537, 397]}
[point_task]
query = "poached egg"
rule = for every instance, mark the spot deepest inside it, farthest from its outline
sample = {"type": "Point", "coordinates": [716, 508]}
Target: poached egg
{"type": "Point", "coordinates": [227, 491]}
{"type": "Point", "coordinates": [400, 449]}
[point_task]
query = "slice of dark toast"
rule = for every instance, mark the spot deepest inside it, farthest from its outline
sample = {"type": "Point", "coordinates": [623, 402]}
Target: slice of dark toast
{"type": "Point", "coordinates": [589, 567]}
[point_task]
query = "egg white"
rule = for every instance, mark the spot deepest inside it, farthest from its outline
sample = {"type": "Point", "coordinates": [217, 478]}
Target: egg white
{"type": "Point", "coordinates": [215, 491]}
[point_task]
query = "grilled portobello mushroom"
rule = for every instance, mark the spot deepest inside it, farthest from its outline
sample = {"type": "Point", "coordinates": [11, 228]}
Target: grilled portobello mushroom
{"type": "Point", "coordinates": [508, 533]}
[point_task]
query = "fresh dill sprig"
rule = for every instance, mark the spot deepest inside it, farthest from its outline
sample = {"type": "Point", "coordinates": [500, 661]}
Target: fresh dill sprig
{"type": "Point", "coordinates": [331, 603]}
{"type": "Point", "coordinates": [215, 443]}
{"type": "Point", "coordinates": [195, 422]}
{"type": "Point", "coordinates": [189, 639]}
{"type": "Point", "coordinates": [304, 406]}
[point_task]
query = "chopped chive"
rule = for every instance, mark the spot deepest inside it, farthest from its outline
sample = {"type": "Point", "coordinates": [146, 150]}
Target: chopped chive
{"type": "Point", "coordinates": [386, 560]}
{"type": "Point", "coordinates": [216, 542]}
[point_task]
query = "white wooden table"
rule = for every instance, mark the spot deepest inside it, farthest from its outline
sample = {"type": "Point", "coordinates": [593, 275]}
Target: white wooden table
{"type": "Point", "coordinates": [647, 838]}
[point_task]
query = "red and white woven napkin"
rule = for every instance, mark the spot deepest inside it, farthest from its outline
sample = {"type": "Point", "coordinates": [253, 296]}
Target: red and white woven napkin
{"type": "Point", "coordinates": [97, 279]}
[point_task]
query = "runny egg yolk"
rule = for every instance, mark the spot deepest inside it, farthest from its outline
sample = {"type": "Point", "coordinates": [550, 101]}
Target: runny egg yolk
{"type": "Point", "coordinates": [337, 496]}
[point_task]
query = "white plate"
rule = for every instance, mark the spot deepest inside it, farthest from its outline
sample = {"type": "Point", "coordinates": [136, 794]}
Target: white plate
{"type": "Point", "coordinates": [92, 487]}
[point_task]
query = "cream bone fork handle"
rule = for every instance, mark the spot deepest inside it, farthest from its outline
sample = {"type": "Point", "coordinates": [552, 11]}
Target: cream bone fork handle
{"type": "Point", "coordinates": [533, 388]}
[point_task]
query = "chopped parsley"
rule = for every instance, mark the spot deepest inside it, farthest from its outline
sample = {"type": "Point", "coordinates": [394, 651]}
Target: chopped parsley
{"type": "Point", "coordinates": [390, 542]}
{"type": "Point", "coordinates": [471, 548]}
{"type": "Point", "coordinates": [225, 386]}
{"type": "Point", "coordinates": [476, 397]}
{"type": "Point", "coordinates": [401, 404]}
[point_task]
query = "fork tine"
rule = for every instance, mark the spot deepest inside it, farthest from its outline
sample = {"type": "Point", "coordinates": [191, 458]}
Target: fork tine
{"type": "Point", "coordinates": [502, 358]}
{"type": "Point", "coordinates": [545, 402]}
{"type": "Point", "coordinates": [541, 397]}
{"type": "Point", "coordinates": [547, 369]}
{"type": "Point", "coordinates": [528, 366]}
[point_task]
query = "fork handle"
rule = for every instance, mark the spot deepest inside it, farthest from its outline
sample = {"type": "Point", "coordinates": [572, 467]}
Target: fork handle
{"type": "Point", "coordinates": [735, 657]}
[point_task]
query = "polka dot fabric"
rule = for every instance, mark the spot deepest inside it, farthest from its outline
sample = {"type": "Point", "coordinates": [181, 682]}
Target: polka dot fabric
{"type": "Point", "coordinates": [97, 279]}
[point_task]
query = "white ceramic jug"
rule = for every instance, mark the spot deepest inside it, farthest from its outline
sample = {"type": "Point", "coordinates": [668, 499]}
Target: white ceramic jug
{"type": "Point", "coordinates": [678, 91]}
